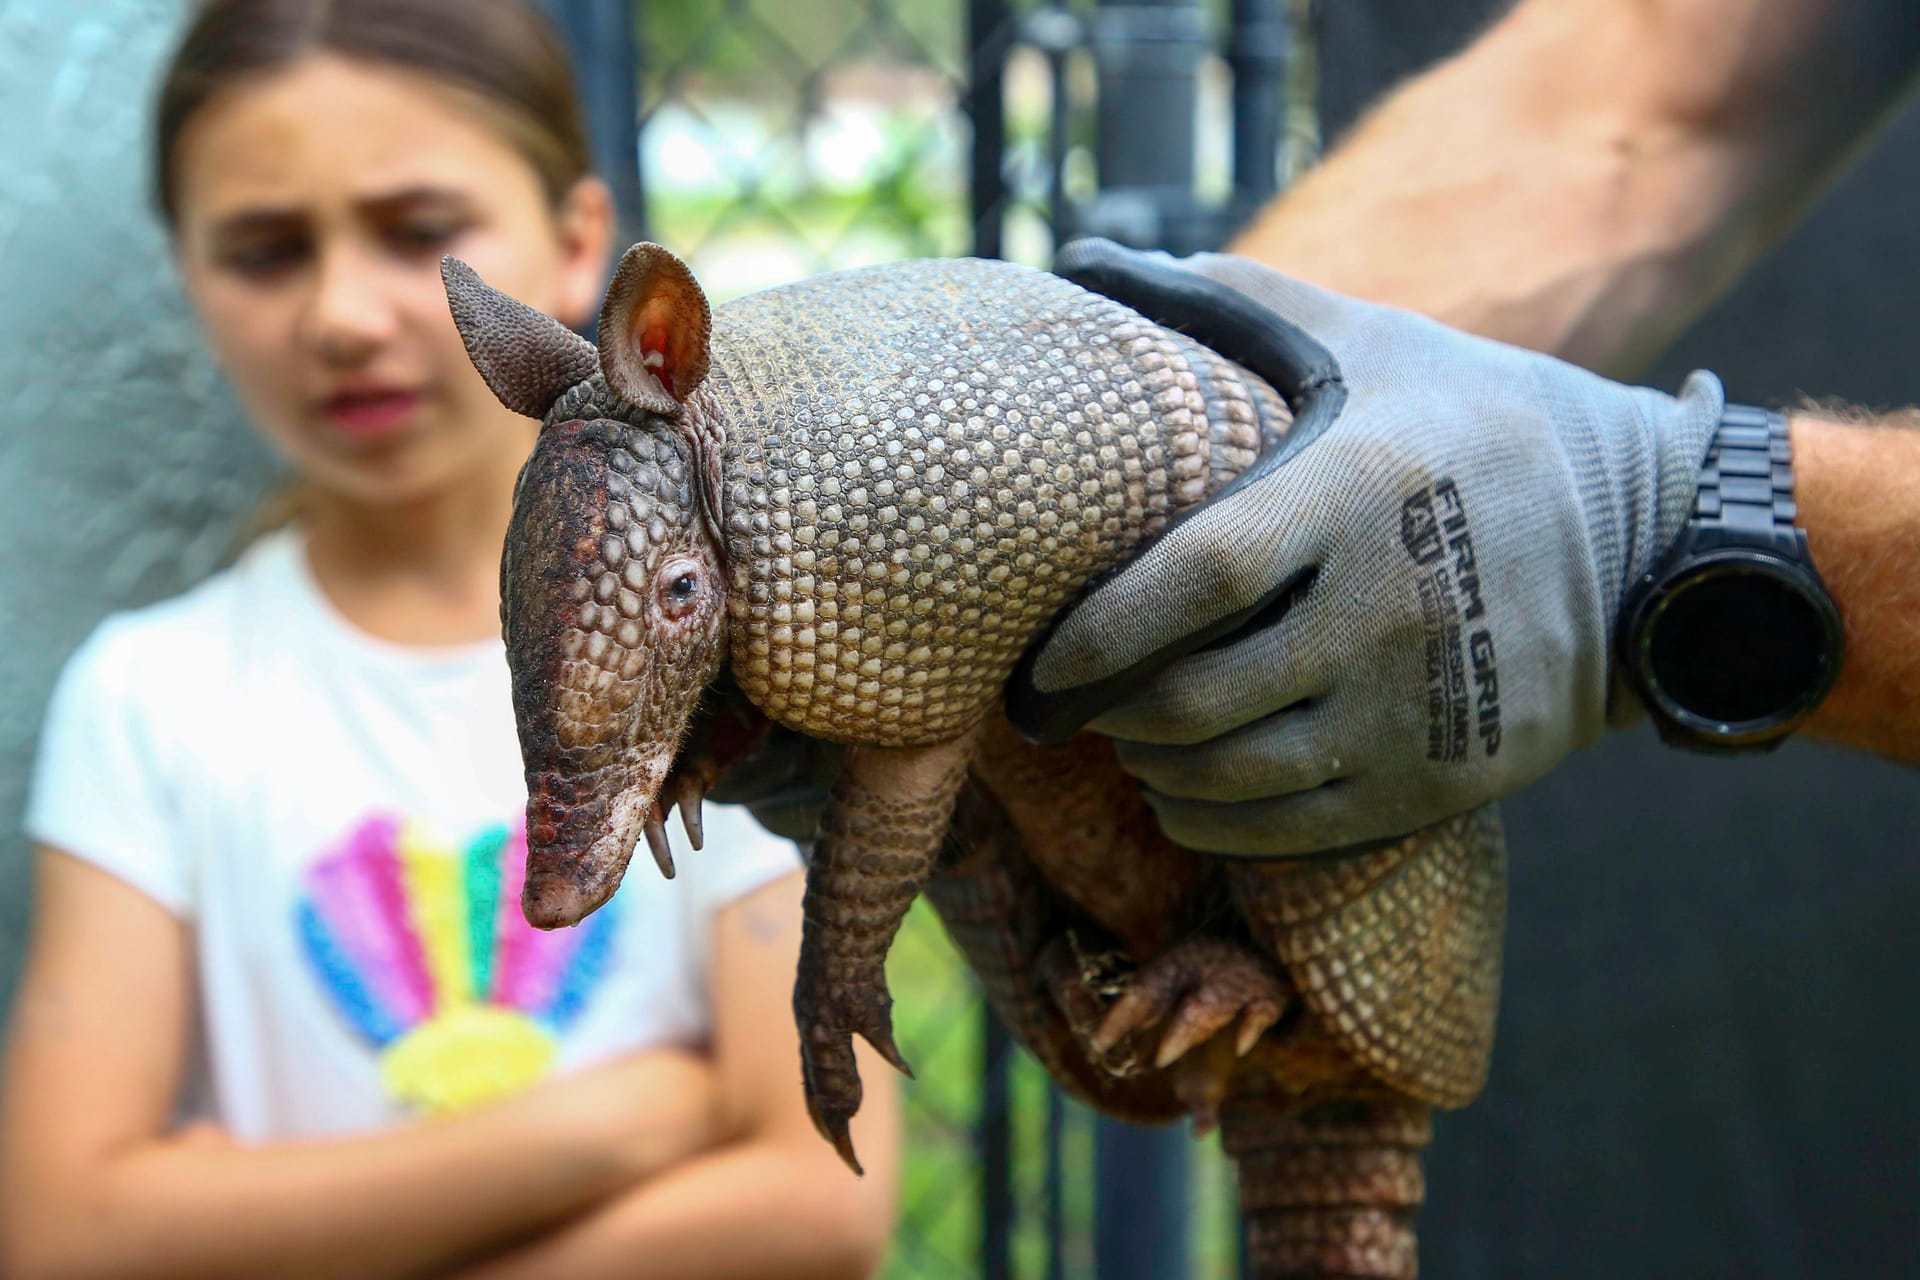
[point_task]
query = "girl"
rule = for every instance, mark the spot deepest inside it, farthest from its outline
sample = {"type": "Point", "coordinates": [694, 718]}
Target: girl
{"type": "Point", "coordinates": [280, 1013]}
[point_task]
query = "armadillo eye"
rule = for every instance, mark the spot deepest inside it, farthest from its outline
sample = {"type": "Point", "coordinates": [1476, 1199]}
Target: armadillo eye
{"type": "Point", "coordinates": [679, 588]}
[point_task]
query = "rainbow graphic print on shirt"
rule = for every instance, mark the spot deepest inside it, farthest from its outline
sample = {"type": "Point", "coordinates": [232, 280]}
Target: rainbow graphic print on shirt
{"type": "Point", "coordinates": [422, 948]}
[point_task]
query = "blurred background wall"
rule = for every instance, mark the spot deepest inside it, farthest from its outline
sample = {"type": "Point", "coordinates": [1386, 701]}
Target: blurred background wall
{"type": "Point", "coordinates": [123, 465]}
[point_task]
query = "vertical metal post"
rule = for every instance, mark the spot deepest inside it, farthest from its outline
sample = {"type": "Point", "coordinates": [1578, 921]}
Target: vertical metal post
{"type": "Point", "coordinates": [1148, 53]}
{"type": "Point", "coordinates": [1056, 1199]}
{"type": "Point", "coordinates": [1140, 1218]}
{"type": "Point", "coordinates": [1257, 53]}
{"type": "Point", "coordinates": [604, 40]}
{"type": "Point", "coordinates": [988, 33]}
{"type": "Point", "coordinates": [995, 1142]}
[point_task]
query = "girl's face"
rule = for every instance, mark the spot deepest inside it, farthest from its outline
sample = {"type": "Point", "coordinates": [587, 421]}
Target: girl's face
{"type": "Point", "coordinates": [314, 206]}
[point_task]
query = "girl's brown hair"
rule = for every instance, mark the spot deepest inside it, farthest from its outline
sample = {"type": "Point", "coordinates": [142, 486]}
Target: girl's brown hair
{"type": "Point", "coordinates": [502, 53]}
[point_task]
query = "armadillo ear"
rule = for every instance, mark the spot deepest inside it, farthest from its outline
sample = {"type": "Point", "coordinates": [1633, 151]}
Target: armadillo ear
{"type": "Point", "coordinates": [527, 357]}
{"type": "Point", "coordinates": [654, 330]}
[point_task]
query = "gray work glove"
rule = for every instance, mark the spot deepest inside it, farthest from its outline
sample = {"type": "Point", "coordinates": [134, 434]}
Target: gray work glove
{"type": "Point", "coordinates": [1433, 579]}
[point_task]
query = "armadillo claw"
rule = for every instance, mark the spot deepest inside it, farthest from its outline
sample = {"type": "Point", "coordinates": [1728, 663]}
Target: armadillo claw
{"type": "Point", "coordinates": [829, 1069]}
{"type": "Point", "coordinates": [1199, 1018]}
{"type": "Point", "coordinates": [1254, 1023]}
{"type": "Point", "coordinates": [1139, 1007]}
{"type": "Point", "coordinates": [657, 842]}
{"type": "Point", "coordinates": [832, 1080]}
{"type": "Point", "coordinates": [688, 794]}
{"type": "Point", "coordinates": [1200, 987]}
{"type": "Point", "coordinates": [833, 1126]}
{"type": "Point", "coordinates": [881, 1038]}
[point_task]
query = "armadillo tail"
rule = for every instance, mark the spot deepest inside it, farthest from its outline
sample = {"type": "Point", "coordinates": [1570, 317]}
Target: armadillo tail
{"type": "Point", "coordinates": [1331, 1189]}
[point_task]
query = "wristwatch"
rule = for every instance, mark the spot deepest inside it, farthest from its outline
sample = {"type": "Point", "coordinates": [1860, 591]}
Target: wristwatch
{"type": "Point", "coordinates": [1732, 639]}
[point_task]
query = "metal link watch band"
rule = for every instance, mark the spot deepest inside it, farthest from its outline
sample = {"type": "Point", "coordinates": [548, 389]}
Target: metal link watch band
{"type": "Point", "coordinates": [1731, 639]}
{"type": "Point", "coordinates": [1746, 482]}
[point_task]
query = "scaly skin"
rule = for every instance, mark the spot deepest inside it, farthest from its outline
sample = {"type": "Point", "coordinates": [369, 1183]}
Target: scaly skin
{"type": "Point", "coordinates": [924, 462]}
{"type": "Point", "coordinates": [1330, 1188]}
{"type": "Point", "coordinates": [862, 496]}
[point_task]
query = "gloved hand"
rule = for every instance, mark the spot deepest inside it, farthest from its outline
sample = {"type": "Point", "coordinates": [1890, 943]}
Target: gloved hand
{"type": "Point", "coordinates": [1453, 548]}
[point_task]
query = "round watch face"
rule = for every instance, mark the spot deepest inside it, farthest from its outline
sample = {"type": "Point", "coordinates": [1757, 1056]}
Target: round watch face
{"type": "Point", "coordinates": [1739, 645]}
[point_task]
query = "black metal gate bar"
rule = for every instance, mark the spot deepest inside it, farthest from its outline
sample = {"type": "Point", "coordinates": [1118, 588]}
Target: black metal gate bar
{"type": "Point", "coordinates": [606, 53]}
{"type": "Point", "coordinates": [1140, 1225]}
{"type": "Point", "coordinates": [989, 34]}
{"type": "Point", "coordinates": [1056, 1201]}
{"type": "Point", "coordinates": [1257, 46]}
{"type": "Point", "coordinates": [1148, 55]}
{"type": "Point", "coordinates": [996, 1150]}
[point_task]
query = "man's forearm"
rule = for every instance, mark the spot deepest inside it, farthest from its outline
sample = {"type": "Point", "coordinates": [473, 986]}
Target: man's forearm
{"type": "Point", "coordinates": [1591, 174]}
{"type": "Point", "coordinates": [1857, 484]}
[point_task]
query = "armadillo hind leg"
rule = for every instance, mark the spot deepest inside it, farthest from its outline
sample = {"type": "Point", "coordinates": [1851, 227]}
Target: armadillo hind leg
{"type": "Point", "coordinates": [878, 843]}
{"type": "Point", "coordinates": [1330, 1188]}
{"type": "Point", "coordinates": [1395, 952]}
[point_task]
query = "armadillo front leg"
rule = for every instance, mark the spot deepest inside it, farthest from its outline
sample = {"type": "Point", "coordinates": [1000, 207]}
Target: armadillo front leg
{"type": "Point", "coordinates": [877, 846]}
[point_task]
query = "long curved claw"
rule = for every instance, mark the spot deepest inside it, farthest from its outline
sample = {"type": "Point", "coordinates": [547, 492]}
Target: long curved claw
{"type": "Point", "coordinates": [1206, 1010]}
{"type": "Point", "coordinates": [831, 1073]}
{"type": "Point", "coordinates": [1141, 1006]}
{"type": "Point", "coordinates": [832, 1081]}
{"type": "Point", "coordinates": [880, 1036]}
{"type": "Point", "coordinates": [1199, 987]}
{"type": "Point", "coordinates": [1254, 1023]}
{"type": "Point", "coordinates": [1194, 1023]}
{"type": "Point", "coordinates": [657, 842]}
{"type": "Point", "coordinates": [688, 796]}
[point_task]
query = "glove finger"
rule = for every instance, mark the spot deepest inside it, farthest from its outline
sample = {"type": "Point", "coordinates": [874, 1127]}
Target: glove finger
{"type": "Point", "coordinates": [1162, 288]}
{"type": "Point", "coordinates": [1283, 754]}
{"type": "Point", "coordinates": [1328, 316]}
{"type": "Point", "coordinates": [1222, 559]}
{"type": "Point", "coordinates": [1239, 326]}
{"type": "Point", "coordinates": [1334, 815]}
{"type": "Point", "coordinates": [1224, 686]}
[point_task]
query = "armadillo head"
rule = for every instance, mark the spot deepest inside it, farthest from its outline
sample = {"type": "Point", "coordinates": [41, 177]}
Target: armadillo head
{"type": "Point", "coordinates": [611, 586]}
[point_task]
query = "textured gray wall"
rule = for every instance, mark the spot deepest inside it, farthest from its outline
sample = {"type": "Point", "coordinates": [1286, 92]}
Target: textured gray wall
{"type": "Point", "coordinates": [123, 464]}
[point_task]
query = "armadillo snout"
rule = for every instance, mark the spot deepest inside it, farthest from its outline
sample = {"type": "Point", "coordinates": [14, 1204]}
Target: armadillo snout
{"type": "Point", "coordinates": [581, 830]}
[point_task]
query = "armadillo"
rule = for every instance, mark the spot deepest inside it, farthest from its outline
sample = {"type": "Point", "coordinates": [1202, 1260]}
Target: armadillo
{"type": "Point", "coordinates": [846, 507]}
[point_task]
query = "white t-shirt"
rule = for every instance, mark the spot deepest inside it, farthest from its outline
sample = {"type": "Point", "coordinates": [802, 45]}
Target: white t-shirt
{"type": "Point", "coordinates": [341, 820]}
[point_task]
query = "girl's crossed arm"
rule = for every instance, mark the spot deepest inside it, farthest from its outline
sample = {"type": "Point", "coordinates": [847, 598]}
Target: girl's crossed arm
{"type": "Point", "coordinates": [92, 1184]}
